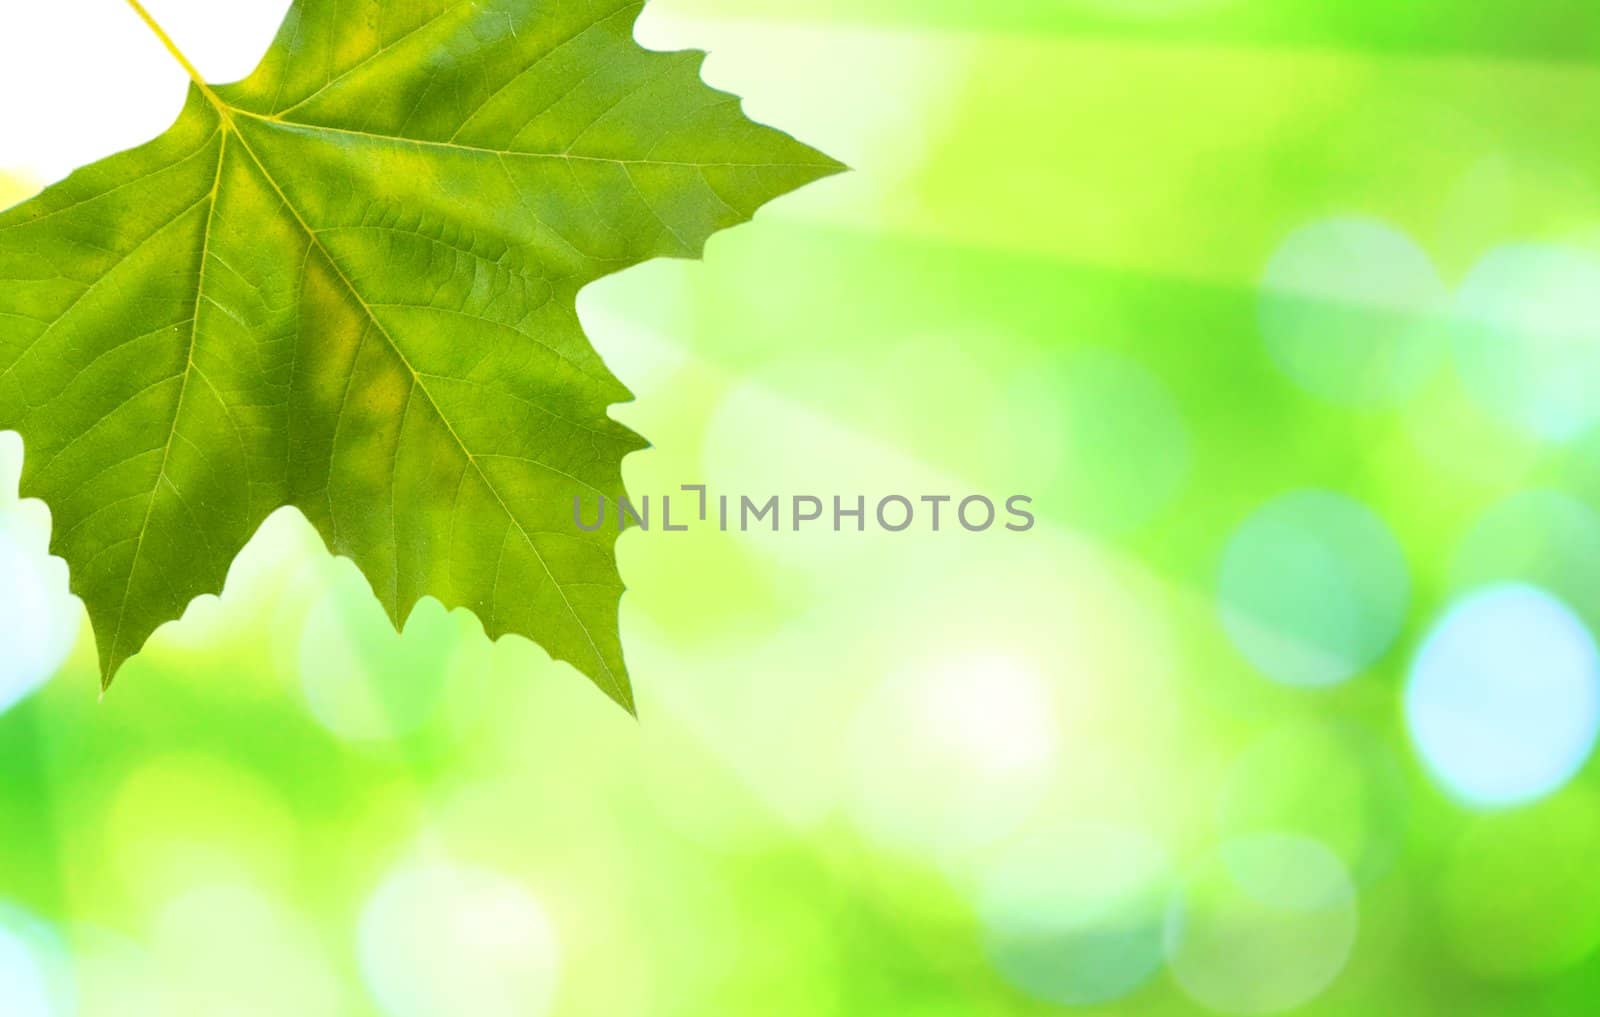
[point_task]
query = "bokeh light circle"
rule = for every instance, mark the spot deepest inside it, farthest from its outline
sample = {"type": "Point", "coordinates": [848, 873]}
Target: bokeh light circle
{"type": "Point", "coordinates": [1075, 916]}
{"type": "Point", "coordinates": [1264, 925]}
{"type": "Point", "coordinates": [31, 982]}
{"type": "Point", "coordinates": [438, 939]}
{"type": "Point", "coordinates": [38, 616]}
{"type": "Point", "coordinates": [1122, 443]}
{"type": "Point", "coordinates": [1353, 311]}
{"type": "Point", "coordinates": [1313, 588]}
{"type": "Point", "coordinates": [116, 976]}
{"type": "Point", "coordinates": [1527, 338]}
{"type": "Point", "coordinates": [187, 820]}
{"type": "Point", "coordinates": [954, 754]}
{"type": "Point", "coordinates": [1542, 538]}
{"type": "Point", "coordinates": [240, 948]}
{"type": "Point", "coordinates": [1503, 700]}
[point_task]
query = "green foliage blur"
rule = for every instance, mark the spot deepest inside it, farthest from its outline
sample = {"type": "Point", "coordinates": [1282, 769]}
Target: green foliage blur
{"type": "Point", "coordinates": [1285, 315]}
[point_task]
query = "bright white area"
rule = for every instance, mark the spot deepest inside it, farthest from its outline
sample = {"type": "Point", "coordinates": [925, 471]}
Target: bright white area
{"type": "Point", "coordinates": [84, 79]}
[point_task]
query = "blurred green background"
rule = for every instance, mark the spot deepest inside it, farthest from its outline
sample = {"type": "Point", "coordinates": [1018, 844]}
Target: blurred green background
{"type": "Point", "coordinates": [1288, 317]}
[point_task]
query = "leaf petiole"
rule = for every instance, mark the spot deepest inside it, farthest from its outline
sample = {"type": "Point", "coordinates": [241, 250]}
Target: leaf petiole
{"type": "Point", "coordinates": [177, 54]}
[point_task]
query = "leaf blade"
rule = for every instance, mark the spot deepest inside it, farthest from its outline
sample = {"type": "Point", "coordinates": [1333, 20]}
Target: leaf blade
{"type": "Point", "coordinates": [381, 275]}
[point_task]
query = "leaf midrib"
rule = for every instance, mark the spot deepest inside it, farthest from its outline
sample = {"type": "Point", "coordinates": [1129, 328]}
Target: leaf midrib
{"type": "Point", "coordinates": [227, 112]}
{"type": "Point", "coordinates": [438, 411]}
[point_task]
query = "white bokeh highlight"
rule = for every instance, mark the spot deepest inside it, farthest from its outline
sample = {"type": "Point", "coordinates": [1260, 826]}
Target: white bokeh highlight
{"type": "Point", "coordinates": [241, 949]}
{"type": "Point", "coordinates": [954, 754]}
{"type": "Point", "coordinates": [39, 618]}
{"type": "Point", "coordinates": [438, 939]}
{"type": "Point", "coordinates": [1503, 700]}
{"type": "Point", "coordinates": [25, 986]}
{"type": "Point", "coordinates": [1527, 338]}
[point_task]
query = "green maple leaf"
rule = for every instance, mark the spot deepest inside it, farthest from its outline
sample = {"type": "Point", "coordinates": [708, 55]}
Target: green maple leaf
{"type": "Point", "coordinates": [348, 284]}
